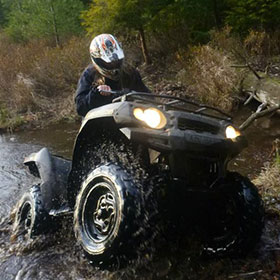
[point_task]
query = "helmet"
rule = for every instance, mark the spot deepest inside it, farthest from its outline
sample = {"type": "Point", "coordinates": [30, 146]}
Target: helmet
{"type": "Point", "coordinates": [107, 56]}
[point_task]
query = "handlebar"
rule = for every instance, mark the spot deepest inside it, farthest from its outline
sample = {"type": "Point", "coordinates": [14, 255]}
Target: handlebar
{"type": "Point", "coordinates": [117, 93]}
{"type": "Point", "coordinates": [130, 95]}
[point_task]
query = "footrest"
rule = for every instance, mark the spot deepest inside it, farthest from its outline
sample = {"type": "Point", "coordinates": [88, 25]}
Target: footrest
{"type": "Point", "coordinates": [62, 211]}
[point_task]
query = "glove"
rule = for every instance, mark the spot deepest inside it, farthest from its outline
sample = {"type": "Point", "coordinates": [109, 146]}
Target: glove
{"type": "Point", "coordinates": [103, 90]}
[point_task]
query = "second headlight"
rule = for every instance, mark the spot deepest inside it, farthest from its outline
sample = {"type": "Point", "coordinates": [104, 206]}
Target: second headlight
{"type": "Point", "coordinates": [232, 132]}
{"type": "Point", "coordinates": [153, 117]}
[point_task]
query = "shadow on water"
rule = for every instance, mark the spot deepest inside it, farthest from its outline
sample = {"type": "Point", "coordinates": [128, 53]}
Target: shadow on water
{"type": "Point", "coordinates": [51, 256]}
{"type": "Point", "coordinates": [56, 256]}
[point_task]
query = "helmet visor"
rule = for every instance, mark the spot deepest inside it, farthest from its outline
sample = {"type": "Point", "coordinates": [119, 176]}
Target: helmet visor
{"type": "Point", "coordinates": [116, 64]}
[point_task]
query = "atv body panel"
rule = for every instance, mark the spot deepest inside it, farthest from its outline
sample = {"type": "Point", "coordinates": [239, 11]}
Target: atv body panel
{"type": "Point", "coordinates": [188, 139]}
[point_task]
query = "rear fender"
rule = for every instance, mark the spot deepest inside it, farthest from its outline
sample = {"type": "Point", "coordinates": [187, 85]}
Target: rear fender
{"type": "Point", "coordinates": [39, 164]}
{"type": "Point", "coordinates": [53, 172]}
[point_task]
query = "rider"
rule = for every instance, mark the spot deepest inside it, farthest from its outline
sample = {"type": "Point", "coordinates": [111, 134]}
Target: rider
{"type": "Point", "coordinates": [107, 72]}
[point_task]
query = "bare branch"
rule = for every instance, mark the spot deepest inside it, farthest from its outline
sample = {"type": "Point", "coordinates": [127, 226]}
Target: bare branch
{"type": "Point", "coordinates": [250, 67]}
{"type": "Point", "coordinates": [254, 71]}
{"type": "Point", "coordinates": [239, 66]}
{"type": "Point", "coordinates": [257, 115]}
{"type": "Point", "coordinates": [252, 95]}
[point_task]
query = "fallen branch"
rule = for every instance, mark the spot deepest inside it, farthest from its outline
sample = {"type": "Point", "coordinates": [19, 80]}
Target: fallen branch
{"type": "Point", "coordinates": [276, 249]}
{"type": "Point", "coordinates": [252, 95]}
{"type": "Point", "coordinates": [257, 115]}
{"type": "Point", "coordinates": [245, 275]}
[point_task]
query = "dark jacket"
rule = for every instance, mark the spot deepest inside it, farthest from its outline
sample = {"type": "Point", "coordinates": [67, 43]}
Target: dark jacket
{"type": "Point", "coordinates": [88, 96]}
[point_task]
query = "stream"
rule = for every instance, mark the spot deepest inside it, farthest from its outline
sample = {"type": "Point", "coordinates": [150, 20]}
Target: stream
{"type": "Point", "coordinates": [57, 256]}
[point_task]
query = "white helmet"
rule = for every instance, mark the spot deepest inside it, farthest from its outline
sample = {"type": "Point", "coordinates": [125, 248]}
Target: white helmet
{"type": "Point", "coordinates": [107, 56]}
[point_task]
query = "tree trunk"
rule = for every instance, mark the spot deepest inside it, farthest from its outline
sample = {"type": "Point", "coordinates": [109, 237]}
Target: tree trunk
{"type": "Point", "coordinates": [54, 23]}
{"type": "Point", "coordinates": [217, 16]}
{"type": "Point", "coordinates": [145, 52]}
{"type": "Point", "coordinates": [19, 5]}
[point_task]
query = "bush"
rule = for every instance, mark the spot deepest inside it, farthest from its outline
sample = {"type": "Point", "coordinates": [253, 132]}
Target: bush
{"type": "Point", "coordinates": [37, 79]}
{"type": "Point", "coordinates": [227, 42]}
{"type": "Point", "coordinates": [263, 43]}
{"type": "Point", "coordinates": [56, 72]}
{"type": "Point", "coordinates": [259, 48]}
{"type": "Point", "coordinates": [15, 64]}
{"type": "Point", "coordinates": [209, 76]}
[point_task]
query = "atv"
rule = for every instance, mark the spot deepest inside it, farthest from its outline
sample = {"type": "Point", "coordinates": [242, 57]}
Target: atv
{"type": "Point", "coordinates": [128, 157]}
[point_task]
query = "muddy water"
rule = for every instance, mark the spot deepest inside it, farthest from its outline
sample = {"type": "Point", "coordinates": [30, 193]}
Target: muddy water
{"type": "Point", "coordinates": [57, 256]}
{"type": "Point", "coordinates": [48, 257]}
{"type": "Point", "coordinates": [11, 172]}
{"type": "Point", "coordinates": [261, 136]}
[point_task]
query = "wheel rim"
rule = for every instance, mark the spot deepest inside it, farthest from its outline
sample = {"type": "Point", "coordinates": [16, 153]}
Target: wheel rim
{"type": "Point", "coordinates": [224, 226]}
{"type": "Point", "coordinates": [100, 212]}
{"type": "Point", "coordinates": [25, 219]}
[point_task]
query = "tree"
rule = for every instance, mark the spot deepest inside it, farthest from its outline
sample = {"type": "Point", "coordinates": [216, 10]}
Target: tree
{"type": "Point", "coordinates": [173, 21]}
{"type": "Point", "coordinates": [44, 18]}
{"type": "Point", "coordinates": [254, 14]}
{"type": "Point", "coordinates": [121, 16]}
{"type": "Point", "coordinates": [86, 2]}
{"type": "Point", "coordinates": [188, 21]}
{"type": "Point", "coordinates": [4, 11]}
{"type": "Point", "coordinates": [2, 14]}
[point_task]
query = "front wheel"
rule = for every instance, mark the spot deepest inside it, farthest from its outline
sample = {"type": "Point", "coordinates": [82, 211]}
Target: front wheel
{"type": "Point", "coordinates": [235, 220]}
{"type": "Point", "coordinates": [112, 217]}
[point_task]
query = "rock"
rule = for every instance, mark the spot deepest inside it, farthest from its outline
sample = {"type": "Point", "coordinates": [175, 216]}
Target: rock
{"type": "Point", "coordinates": [264, 123]}
{"type": "Point", "coordinates": [266, 89]}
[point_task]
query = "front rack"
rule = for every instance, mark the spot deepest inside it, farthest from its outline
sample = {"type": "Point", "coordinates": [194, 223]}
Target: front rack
{"type": "Point", "coordinates": [176, 103]}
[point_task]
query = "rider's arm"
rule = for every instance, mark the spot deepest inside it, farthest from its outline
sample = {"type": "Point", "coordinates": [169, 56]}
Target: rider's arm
{"type": "Point", "coordinates": [132, 79]}
{"type": "Point", "coordinates": [138, 83]}
{"type": "Point", "coordinates": [87, 95]}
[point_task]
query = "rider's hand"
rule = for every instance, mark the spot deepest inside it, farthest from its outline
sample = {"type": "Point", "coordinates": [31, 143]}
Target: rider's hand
{"type": "Point", "coordinates": [102, 90]}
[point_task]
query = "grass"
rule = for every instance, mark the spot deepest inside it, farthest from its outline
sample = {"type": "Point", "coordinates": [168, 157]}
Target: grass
{"type": "Point", "coordinates": [268, 182]}
{"type": "Point", "coordinates": [8, 122]}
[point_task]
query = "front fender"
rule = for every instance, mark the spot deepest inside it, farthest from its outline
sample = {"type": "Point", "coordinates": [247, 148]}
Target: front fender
{"type": "Point", "coordinates": [110, 117]}
{"type": "Point", "coordinates": [120, 112]}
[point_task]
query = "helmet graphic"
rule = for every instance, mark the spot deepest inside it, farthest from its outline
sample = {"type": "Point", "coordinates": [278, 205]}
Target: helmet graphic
{"type": "Point", "coordinates": [107, 56]}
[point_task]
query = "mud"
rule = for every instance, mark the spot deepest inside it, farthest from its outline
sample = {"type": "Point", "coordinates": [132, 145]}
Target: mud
{"type": "Point", "coordinates": [57, 256]}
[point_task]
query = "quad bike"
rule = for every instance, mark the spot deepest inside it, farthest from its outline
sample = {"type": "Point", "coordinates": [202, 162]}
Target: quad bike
{"type": "Point", "coordinates": [130, 155]}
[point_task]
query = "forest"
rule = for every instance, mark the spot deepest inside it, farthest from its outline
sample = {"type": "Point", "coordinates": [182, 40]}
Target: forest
{"type": "Point", "coordinates": [44, 48]}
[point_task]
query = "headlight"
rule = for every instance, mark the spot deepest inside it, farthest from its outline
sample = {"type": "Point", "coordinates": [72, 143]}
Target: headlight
{"type": "Point", "coordinates": [231, 132]}
{"type": "Point", "coordinates": [153, 117]}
